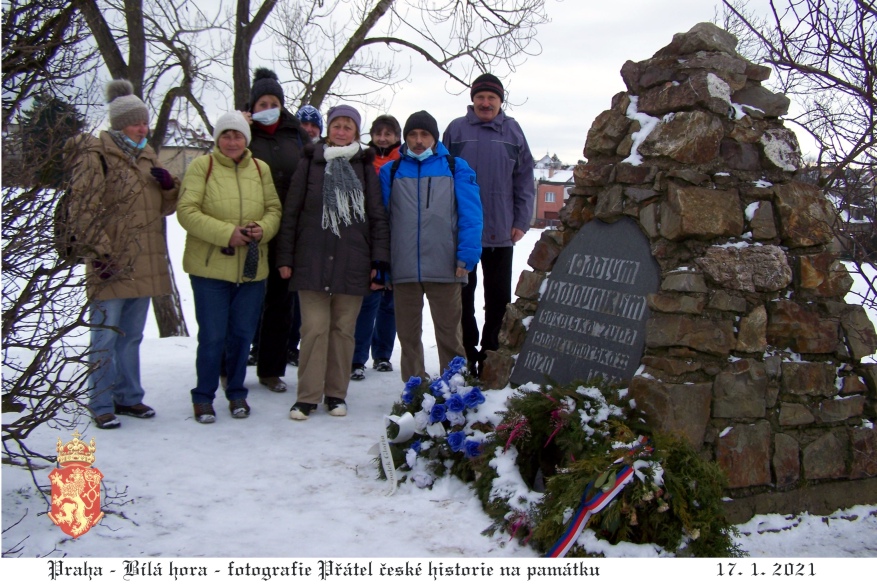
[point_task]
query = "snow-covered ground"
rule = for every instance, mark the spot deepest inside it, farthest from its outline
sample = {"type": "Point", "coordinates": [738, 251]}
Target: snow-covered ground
{"type": "Point", "coordinates": [269, 487]}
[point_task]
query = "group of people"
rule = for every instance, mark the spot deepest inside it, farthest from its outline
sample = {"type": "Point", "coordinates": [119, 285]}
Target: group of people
{"type": "Point", "coordinates": [278, 217]}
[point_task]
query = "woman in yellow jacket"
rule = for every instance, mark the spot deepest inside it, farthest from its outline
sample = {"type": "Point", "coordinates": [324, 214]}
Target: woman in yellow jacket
{"type": "Point", "coordinates": [230, 210]}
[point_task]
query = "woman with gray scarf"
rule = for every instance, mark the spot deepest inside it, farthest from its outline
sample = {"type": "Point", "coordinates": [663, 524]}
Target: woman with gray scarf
{"type": "Point", "coordinates": [334, 248]}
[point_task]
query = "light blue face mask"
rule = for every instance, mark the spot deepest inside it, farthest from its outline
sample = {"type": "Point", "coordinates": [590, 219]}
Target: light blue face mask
{"type": "Point", "coordinates": [422, 156]}
{"type": "Point", "coordinates": [267, 117]}
{"type": "Point", "coordinates": [137, 145]}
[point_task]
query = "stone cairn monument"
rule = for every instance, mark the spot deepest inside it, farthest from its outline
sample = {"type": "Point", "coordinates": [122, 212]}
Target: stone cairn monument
{"type": "Point", "coordinates": [750, 351]}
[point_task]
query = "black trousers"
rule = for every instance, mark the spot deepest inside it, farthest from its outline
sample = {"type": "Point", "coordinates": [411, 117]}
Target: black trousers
{"type": "Point", "coordinates": [274, 328]}
{"type": "Point", "coordinates": [496, 267]}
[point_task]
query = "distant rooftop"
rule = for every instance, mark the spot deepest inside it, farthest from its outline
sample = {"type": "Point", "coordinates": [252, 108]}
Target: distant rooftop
{"type": "Point", "coordinates": [180, 136]}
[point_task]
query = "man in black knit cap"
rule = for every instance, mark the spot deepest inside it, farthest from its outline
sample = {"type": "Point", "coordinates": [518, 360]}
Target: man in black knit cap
{"type": "Point", "coordinates": [495, 147]}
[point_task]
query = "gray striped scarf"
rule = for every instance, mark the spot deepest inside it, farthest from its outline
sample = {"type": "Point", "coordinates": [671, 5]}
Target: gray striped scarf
{"type": "Point", "coordinates": [343, 197]}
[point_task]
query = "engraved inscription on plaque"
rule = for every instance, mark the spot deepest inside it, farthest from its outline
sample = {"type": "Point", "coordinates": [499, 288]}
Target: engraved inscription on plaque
{"type": "Point", "coordinates": [591, 317]}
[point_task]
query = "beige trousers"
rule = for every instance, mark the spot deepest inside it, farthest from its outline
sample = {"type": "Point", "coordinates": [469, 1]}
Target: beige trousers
{"type": "Point", "coordinates": [326, 350]}
{"type": "Point", "coordinates": [445, 306]}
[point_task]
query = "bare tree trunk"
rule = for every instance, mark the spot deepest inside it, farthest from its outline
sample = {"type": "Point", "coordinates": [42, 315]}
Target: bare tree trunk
{"type": "Point", "coordinates": [168, 311]}
{"type": "Point", "coordinates": [321, 88]}
{"type": "Point", "coordinates": [245, 32]}
{"type": "Point", "coordinates": [136, 45]}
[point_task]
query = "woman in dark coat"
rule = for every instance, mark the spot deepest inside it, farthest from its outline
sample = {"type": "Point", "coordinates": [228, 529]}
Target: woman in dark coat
{"type": "Point", "coordinates": [278, 139]}
{"type": "Point", "coordinates": [334, 245]}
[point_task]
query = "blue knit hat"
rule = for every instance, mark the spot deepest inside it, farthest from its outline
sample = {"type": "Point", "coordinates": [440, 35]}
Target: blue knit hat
{"type": "Point", "coordinates": [310, 114]}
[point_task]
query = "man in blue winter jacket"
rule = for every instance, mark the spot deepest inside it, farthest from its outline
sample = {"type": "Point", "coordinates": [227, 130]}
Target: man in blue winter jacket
{"type": "Point", "coordinates": [495, 147]}
{"type": "Point", "coordinates": [435, 240]}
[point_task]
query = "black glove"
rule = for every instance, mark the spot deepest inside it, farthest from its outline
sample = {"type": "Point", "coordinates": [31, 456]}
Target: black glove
{"type": "Point", "coordinates": [105, 268]}
{"type": "Point", "coordinates": [164, 178]}
{"type": "Point", "coordinates": [382, 272]}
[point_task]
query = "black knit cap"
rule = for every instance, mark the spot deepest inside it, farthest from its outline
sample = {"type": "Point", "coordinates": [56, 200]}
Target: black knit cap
{"type": "Point", "coordinates": [487, 82]}
{"type": "Point", "coordinates": [265, 82]}
{"type": "Point", "coordinates": [422, 120]}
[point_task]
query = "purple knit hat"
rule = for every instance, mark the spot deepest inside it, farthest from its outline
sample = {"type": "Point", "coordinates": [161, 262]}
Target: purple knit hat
{"type": "Point", "coordinates": [344, 110]}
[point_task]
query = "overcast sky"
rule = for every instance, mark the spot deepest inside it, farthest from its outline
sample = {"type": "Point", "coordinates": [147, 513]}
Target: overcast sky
{"type": "Point", "coordinates": [556, 95]}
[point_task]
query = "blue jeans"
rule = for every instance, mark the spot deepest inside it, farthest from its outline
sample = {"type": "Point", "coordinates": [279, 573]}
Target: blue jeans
{"type": "Point", "coordinates": [375, 327]}
{"type": "Point", "coordinates": [227, 315]}
{"type": "Point", "coordinates": [116, 353]}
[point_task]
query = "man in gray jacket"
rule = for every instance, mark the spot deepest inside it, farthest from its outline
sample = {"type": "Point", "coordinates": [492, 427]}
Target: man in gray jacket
{"type": "Point", "coordinates": [435, 240]}
{"type": "Point", "coordinates": [495, 147]}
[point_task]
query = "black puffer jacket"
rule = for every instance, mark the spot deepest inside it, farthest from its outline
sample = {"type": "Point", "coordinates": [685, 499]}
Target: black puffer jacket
{"type": "Point", "coordinates": [320, 260]}
{"type": "Point", "coordinates": [281, 150]}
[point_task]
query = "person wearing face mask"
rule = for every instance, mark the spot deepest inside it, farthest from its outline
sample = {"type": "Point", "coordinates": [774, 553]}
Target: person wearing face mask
{"type": "Point", "coordinates": [435, 240]}
{"type": "Point", "coordinates": [311, 122]}
{"type": "Point", "coordinates": [118, 196]}
{"type": "Point", "coordinates": [277, 139]}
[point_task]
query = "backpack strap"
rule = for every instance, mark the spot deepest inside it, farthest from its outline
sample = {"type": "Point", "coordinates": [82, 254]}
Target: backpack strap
{"type": "Point", "coordinates": [395, 167]}
{"type": "Point", "coordinates": [210, 168]}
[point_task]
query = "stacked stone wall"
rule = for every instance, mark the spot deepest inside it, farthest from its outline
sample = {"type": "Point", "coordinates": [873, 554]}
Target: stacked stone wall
{"type": "Point", "coordinates": [752, 353]}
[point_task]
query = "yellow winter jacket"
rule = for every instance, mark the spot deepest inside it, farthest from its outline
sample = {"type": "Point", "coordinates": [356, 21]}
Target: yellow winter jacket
{"type": "Point", "coordinates": [216, 195]}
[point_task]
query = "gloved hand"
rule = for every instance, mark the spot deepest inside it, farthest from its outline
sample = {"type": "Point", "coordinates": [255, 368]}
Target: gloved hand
{"type": "Point", "coordinates": [382, 272]}
{"type": "Point", "coordinates": [164, 178]}
{"type": "Point", "coordinates": [105, 268]}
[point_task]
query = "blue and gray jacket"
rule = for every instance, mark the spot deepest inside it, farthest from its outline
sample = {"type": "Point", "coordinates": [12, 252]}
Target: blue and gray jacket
{"type": "Point", "coordinates": [435, 217]}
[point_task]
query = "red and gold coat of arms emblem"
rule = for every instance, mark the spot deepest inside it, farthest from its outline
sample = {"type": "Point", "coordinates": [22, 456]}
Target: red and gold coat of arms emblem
{"type": "Point", "coordinates": [75, 488]}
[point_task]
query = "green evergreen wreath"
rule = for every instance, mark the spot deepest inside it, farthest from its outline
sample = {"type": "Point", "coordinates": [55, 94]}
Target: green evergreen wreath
{"type": "Point", "coordinates": [532, 464]}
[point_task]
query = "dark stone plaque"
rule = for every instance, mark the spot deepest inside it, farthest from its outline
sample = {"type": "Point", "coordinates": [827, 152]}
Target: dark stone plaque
{"type": "Point", "coordinates": [591, 317]}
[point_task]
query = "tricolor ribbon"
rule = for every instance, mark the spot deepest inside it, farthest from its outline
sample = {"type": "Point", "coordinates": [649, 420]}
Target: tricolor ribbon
{"type": "Point", "coordinates": [591, 507]}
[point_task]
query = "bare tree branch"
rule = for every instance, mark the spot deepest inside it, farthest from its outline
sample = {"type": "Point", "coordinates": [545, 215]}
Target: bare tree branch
{"type": "Point", "coordinates": [823, 53]}
{"type": "Point", "coordinates": [328, 45]}
{"type": "Point", "coordinates": [44, 52]}
{"type": "Point", "coordinates": [106, 41]}
{"type": "Point", "coordinates": [245, 31]}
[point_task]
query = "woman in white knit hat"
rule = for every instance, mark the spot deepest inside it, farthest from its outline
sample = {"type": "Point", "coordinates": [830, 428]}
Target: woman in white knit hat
{"type": "Point", "coordinates": [119, 194]}
{"type": "Point", "coordinates": [230, 210]}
